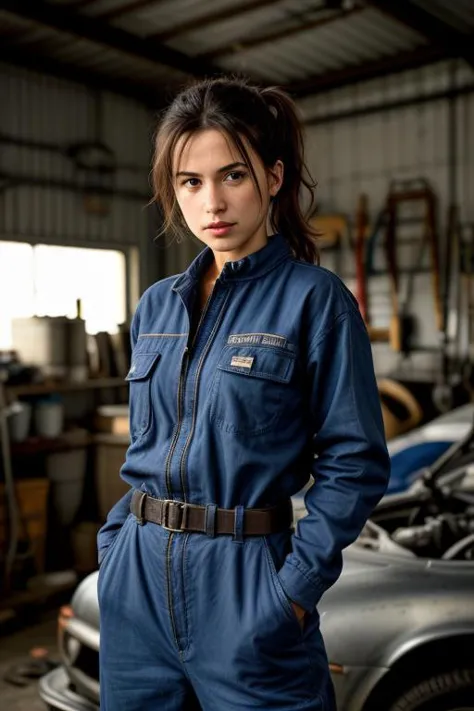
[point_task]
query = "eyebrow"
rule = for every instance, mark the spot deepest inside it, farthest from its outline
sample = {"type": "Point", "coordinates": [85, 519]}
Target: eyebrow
{"type": "Point", "coordinates": [224, 169]}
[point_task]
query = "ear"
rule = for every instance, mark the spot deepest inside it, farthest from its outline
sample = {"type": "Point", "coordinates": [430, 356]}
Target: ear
{"type": "Point", "coordinates": [275, 178]}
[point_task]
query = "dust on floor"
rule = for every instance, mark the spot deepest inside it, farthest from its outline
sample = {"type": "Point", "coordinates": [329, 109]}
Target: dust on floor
{"type": "Point", "coordinates": [14, 650]}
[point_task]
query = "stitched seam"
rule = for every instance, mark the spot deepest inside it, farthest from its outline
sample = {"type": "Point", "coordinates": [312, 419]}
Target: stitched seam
{"type": "Point", "coordinates": [288, 352]}
{"type": "Point", "coordinates": [321, 336]}
{"type": "Point", "coordinates": [162, 335]}
{"type": "Point", "coordinates": [316, 582]}
{"type": "Point", "coordinates": [255, 373]}
{"type": "Point", "coordinates": [184, 570]}
{"type": "Point", "coordinates": [264, 272]}
{"type": "Point", "coordinates": [282, 596]}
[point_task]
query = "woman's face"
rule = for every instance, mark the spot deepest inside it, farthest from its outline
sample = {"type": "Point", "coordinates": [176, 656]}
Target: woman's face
{"type": "Point", "coordinates": [218, 197]}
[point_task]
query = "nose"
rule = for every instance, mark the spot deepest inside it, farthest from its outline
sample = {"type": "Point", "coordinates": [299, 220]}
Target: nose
{"type": "Point", "coordinates": [214, 202]}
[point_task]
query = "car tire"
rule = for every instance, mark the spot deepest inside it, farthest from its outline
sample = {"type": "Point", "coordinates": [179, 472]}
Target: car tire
{"type": "Point", "coordinates": [451, 691]}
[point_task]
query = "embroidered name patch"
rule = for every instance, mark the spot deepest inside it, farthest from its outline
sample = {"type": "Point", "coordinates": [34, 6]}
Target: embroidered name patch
{"type": "Point", "coordinates": [242, 362]}
{"type": "Point", "coordinates": [264, 339]}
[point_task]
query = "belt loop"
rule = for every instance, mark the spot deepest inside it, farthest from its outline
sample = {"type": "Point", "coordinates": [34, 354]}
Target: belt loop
{"type": "Point", "coordinates": [140, 507]}
{"type": "Point", "coordinates": [239, 513]}
{"type": "Point", "coordinates": [210, 520]}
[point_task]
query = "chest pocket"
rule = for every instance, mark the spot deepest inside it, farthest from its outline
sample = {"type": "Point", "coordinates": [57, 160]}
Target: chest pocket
{"type": "Point", "coordinates": [140, 379]}
{"type": "Point", "coordinates": [250, 387]}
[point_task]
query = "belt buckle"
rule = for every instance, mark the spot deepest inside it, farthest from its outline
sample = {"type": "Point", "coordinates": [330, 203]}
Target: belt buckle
{"type": "Point", "coordinates": [167, 505]}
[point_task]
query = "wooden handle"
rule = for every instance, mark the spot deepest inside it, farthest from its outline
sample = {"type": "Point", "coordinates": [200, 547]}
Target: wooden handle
{"type": "Point", "coordinates": [397, 391]}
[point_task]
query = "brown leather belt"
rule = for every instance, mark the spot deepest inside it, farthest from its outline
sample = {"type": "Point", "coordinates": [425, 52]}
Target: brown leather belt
{"type": "Point", "coordinates": [181, 517]}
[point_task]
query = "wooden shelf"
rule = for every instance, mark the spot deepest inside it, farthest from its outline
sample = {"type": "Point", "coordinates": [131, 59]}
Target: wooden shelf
{"type": "Point", "coordinates": [62, 386]}
{"type": "Point", "coordinates": [42, 445]}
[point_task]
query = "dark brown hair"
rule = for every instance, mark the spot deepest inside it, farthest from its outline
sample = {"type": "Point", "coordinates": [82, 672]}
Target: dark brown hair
{"type": "Point", "coordinates": [264, 118]}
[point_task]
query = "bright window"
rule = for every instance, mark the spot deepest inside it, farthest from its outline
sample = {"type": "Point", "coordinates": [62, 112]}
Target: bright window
{"type": "Point", "coordinates": [47, 281]}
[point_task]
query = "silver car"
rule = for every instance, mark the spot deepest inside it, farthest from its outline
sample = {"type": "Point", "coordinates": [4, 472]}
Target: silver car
{"type": "Point", "coordinates": [398, 625]}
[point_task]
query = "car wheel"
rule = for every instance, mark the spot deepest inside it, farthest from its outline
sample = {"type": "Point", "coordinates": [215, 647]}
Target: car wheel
{"type": "Point", "coordinates": [451, 691]}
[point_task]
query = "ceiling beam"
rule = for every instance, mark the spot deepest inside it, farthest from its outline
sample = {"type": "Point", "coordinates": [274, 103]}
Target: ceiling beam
{"type": "Point", "coordinates": [121, 10]}
{"type": "Point", "coordinates": [380, 108]}
{"type": "Point", "coordinates": [210, 19]}
{"type": "Point", "coordinates": [393, 64]}
{"type": "Point", "coordinates": [87, 77]}
{"type": "Point", "coordinates": [264, 38]}
{"type": "Point", "coordinates": [95, 30]}
{"type": "Point", "coordinates": [81, 3]}
{"type": "Point", "coordinates": [437, 32]}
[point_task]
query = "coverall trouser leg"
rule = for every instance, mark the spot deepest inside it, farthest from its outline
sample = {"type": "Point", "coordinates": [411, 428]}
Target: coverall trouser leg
{"type": "Point", "coordinates": [186, 617]}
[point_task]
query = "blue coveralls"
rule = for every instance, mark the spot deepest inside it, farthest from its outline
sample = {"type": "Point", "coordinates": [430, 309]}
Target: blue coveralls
{"type": "Point", "coordinates": [279, 369]}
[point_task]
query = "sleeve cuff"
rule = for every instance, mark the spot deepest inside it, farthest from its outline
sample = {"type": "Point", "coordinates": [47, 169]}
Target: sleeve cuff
{"type": "Point", "coordinates": [299, 586]}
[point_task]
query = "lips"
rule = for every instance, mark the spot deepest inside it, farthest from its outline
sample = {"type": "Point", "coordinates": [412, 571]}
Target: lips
{"type": "Point", "coordinates": [219, 225]}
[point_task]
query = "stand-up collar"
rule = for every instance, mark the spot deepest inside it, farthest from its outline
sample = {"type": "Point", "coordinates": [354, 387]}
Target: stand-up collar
{"type": "Point", "coordinates": [250, 267]}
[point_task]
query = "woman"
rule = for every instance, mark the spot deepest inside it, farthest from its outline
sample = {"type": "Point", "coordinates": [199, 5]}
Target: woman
{"type": "Point", "coordinates": [243, 368]}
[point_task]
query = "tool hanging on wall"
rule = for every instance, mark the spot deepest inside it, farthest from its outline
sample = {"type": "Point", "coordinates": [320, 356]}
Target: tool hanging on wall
{"type": "Point", "coordinates": [401, 411]}
{"type": "Point", "coordinates": [454, 382]}
{"type": "Point", "coordinates": [402, 323]}
{"type": "Point", "coordinates": [381, 301]}
{"type": "Point", "coordinates": [467, 291]}
{"type": "Point", "coordinates": [334, 230]}
{"type": "Point", "coordinates": [460, 314]}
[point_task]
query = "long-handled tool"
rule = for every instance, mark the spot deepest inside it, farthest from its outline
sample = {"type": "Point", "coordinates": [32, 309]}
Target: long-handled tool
{"type": "Point", "coordinates": [12, 507]}
{"type": "Point", "coordinates": [402, 322]}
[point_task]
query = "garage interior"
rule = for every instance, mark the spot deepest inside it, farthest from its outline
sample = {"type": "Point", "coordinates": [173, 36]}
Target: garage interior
{"type": "Point", "coordinates": [386, 92]}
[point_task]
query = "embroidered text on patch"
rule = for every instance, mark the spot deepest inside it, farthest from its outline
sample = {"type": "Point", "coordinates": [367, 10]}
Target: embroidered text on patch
{"type": "Point", "coordinates": [264, 339]}
{"type": "Point", "coordinates": [242, 362]}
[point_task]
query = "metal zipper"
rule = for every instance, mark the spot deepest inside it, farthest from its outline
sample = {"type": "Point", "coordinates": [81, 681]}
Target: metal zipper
{"type": "Point", "coordinates": [182, 378]}
{"type": "Point", "coordinates": [198, 372]}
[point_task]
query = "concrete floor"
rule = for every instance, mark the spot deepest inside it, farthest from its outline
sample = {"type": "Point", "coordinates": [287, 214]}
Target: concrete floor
{"type": "Point", "coordinates": [15, 649]}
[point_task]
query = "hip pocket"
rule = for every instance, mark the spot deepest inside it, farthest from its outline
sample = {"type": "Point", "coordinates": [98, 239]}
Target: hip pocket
{"type": "Point", "coordinates": [281, 594]}
{"type": "Point", "coordinates": [114, 541]}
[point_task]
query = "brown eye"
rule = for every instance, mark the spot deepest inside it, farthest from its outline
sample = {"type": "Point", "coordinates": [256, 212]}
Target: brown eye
{"type": "Point", "coordinates": [191, 182]}
{"type": "Point", "coordinates": [235, 176]}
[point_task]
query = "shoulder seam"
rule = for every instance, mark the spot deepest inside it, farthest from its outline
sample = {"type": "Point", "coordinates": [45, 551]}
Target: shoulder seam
{"type": "Point", "coordinates": [319, 338]}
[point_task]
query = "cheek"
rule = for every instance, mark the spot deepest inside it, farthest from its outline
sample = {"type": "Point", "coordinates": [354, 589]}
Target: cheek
{"type": "Point", "coordinates": [251, 203]}
{"type": "Point", "coordinates": [186, 204]}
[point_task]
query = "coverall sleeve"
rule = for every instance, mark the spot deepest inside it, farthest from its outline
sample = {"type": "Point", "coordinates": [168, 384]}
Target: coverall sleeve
{"type": "Point", "coordinates": [351, 468]}
{"type": "Point", "coordinates": [119, 512]}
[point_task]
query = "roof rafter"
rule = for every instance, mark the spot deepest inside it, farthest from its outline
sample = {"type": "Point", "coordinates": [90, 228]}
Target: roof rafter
{"type": "Point", "coordinates": [242, 45]}
{"type": "Point", "coordinates": [121, 10]}
{"type": "Point", "coordinates": [367, 70]}
{"type": "Point", "coordinates": [437, 32]}
{"type": "Point", "coordinates": [95, 30]}
{"type": "Point", "coordinates": [210, 19]}
{"type": "Point", "coordinates": [90, 78]}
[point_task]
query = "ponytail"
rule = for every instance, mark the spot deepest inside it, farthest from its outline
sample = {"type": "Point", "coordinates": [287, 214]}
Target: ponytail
{"type": "Point", "coordinates": [287, 216]}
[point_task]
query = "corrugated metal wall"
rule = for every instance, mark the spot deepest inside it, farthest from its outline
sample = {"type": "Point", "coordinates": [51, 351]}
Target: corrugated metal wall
{"type": "Point", "coordinates": [46, 110]}
{"type": "Point", "coordinates": [42, 109]}
{"type": "Point", "coordinates": [363, 154]}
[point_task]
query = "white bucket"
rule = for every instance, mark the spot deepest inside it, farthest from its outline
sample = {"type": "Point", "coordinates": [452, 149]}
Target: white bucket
{"type": "Point", "coordinates": [19, 421]}
{"type": "Point", "coordinates": [66, 471]}
{"type": "Point", "coordinates": [49, 418]}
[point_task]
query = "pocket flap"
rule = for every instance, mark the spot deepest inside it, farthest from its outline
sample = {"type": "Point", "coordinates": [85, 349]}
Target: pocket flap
{"type": "Point", "coordinates": [258, 362]}
{"type": "Point", "coordinates": [142, 365]}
